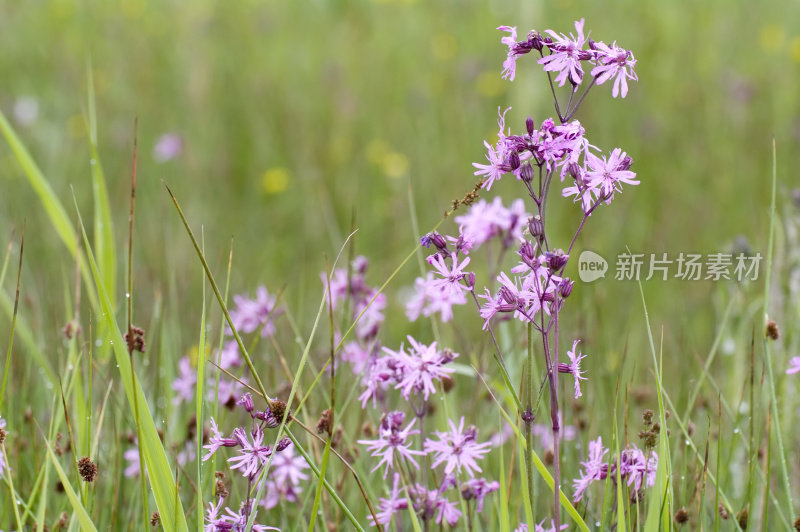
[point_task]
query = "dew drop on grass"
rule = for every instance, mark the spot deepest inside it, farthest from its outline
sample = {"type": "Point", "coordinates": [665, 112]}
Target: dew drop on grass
{"type": "Point", "coordinates": [736, 431]}
{"type": "Point", "coordinates": [127, 295]}
{"type": "Point", "coordinates": [98, 343]}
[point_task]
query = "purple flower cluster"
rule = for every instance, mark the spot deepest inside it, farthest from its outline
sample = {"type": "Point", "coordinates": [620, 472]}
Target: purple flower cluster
{"type": "Point", "coordinates": [552, 147]}
{"type": "Point", "coordinates": [434, 505]}
{"type": "Point", "coordinates": [392, 442]}
{"type": "Point", "coordinates": [286, 470]}
{"type": "Point", "coordinates": [253, 314]}
{"type": "Point", "coordinates": [535, 290]}
{"type": "Point", "coordinates": [351, 286]}
{"type": "Point", "coordinates": [636, 468]}
{"type": "Point", "coordinates": [413, 372]}
{"type": "Point", "coordinates": [567, 55]}
{"type": "Point", "coordinates": [250, 315]}
{"type": "Point", "coordinates": [232, 521]}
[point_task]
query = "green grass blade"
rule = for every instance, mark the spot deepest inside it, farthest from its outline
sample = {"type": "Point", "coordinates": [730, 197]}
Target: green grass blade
{"type": "Point", "coordinates": [80, 512]}
{"type": "Point", "coordinates": [767, 351]}
{"type": "Point", "coordinates": [158, 468]}
{"type": "Point", "coordinates": [104, 247]}
{"type": "Point", "coordinates": [53, 207]}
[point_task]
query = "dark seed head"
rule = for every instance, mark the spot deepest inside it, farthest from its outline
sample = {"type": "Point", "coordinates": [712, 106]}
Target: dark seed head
{"type": "Point", "coordinates": [682, 516]}
{"type": "Point", "coordinates": [87, 469]}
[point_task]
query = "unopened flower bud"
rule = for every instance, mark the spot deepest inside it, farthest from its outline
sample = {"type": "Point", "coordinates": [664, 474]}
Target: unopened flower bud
{"type": "Point", "coordinates": [527, 416]}
{"type": "Point", "coordinates": [548, 297]}
{"type": "Point", "coordinates": [513, 160]}
{"type": "Point", "coordinates": [246, 402]}
{"type": "Point", "coordinates": [527, 251]}
{"type": "Point", "coordinates": [574, 170]}
{"type": "Point", "coordinates": [471, 434]}
{"type": "Point", "coordinates": [565, 287]}
{"type": "Point", "coordinates": [283, 444]}
{"type": "Point", "coordinates": [438, 241]}
{"type": "Point", "coordinates": [592, 44]}
{"type": "Point", "coordinates": [625, 164]}
{"type": "Point", "coordinates": [529, 125]}
{"type": "Point", "coordinates": [535, 226]}
{"type": "Point", "coordinates": [535, 38]}
{"type": "Point", "coordinates": [556, 259]}
{"type": "Point", "coordinates": [526, 173]}
{"type": "Point", "coordinates": [471, 280]}
{"type": "Point", "coordinates": [506, 295]}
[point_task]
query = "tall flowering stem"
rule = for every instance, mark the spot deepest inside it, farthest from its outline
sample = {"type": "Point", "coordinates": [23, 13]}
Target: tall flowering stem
{"type": "Point", "coordinates": [557, 151]}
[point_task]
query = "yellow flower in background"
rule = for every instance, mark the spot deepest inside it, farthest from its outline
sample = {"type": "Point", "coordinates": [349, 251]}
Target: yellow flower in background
{"type": "Point", "coordinates": [395, 164]}
{"type": "Point", "coordinates": [376, 150]}
{"type": "Point", "coordinates": [772, 38]}
{"type": "Point", "coordinates": [794, 49]}
{"type": "Point", "coordinates": [275, 180]}
{"type": "Point", "coordinates": [444, 46]}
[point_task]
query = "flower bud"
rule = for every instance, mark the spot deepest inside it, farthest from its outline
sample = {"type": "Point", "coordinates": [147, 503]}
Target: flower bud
{"type": "Point", "coordinates": [438, 241]}
{"type": "Point", "coordinates": [535, 226]}
{"type": "Point", "coordinates": [246, 402]}
{"type": "Point", "coordinates": [283, 444]}
{"type": "Point", "coordinates": [535, 38]}
{"type": "Point", "coordinates": [471, 280]}
{"type": "Point", "coordinates": [529, 125]}
{"type": "Point", "coordinates": [527, 251]}
{"type": "Point", "coordinates": [513, 160]}
{"type": "Point", "coordinates": [565, 287]}
{"type": "Point", "coordinates": [625, 164]}
{"type": "Point", "coordinates": [574, 170]}
{"type": "Point", "coordinates": [526, 174]}
{"type": "Point", "coordinates": [556, 259]}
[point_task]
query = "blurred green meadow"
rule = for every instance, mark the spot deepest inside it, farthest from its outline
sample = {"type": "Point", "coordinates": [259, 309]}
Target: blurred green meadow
{"type": "Point", "coordinates": [302, 121]}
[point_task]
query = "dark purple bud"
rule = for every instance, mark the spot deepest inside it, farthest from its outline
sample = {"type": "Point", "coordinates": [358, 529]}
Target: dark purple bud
{"type": "Point", "coordinates": [529, 125]}
{"type": "Point", "coordinates": [522, 48]}
{"type": "Point", "coordinates": [592, 44]}
{"type": "Point", "coordinates": [574, 170]}
{"type": "Point", "coordinates": [536, 227]}
{"type": "Point", "coordinates": [625, 164]}
{"type": "Point", "coordinates": [438, 241]}
{"type": "Point", "coordinates": [548, 297]}
{"type": "Point", "coordinates": [283, 444]}
{"type": "Point", "coordinates": [425, 241]}
{"type": "Point", "coordinates": [471, 280]}
{"type": "Point", "coordinates": [547, 41]}
{"type": "Point", "coordinates": [526, 174]}
{"type": "Point", "coordinates": [506, 295]}
{"type": "Point", "coordinates": [246, 402]}
{"type": "Point", "coordinates": [564, 368]}
{"type": "Point", "coordinates": [527, 416]}
{"type": "Point", "coordinates": [513, 160]}
{"type": "Point", "coordinates": [585, 55]}
{"type": "Point", "coordinates": [535, 38]}
{"type": "Point", "coordinates": [471, 434]}
{"type": "Point", "coordinates": [507, 307]}
{"type": "Point", "coordinates": [527, 251]}
{"type": "Point", "coordinates": [556, 259]}
{"type": "Point", "coordinates": [269, 419]}
{"type": "Point", "coordinates": [565, 287]}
